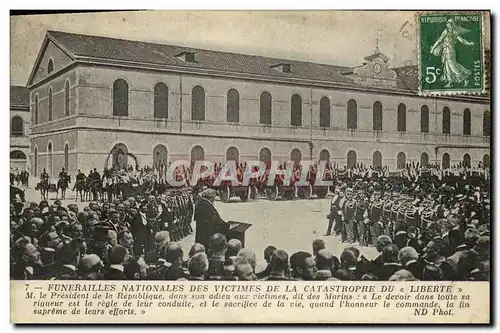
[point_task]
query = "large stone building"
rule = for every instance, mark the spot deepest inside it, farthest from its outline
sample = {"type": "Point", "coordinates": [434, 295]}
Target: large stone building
{"type": "Point", "coordinates": [20, 119]}
{"type": "Point", "coordinates": [154, 102]}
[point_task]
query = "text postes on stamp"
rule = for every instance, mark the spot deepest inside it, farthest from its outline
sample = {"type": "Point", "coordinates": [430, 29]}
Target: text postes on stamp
{"type": "Point", "coordinates": [451, 53]}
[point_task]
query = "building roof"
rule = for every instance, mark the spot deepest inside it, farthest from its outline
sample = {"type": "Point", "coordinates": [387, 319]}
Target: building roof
{"type": "Point", "coordinates": [19, 96]}
{"type": "Point", "coordinates": [105, 49]}
{"type": "Point", "coordinates": [162, 54]}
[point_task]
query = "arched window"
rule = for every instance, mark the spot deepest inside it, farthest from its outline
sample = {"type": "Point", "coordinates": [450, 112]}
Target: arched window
{"type": "Point", "coordinates": [446, 120]}
{"type": "Point", "coordinates": [351, 159]}
{"type": "Point", "coordinates": [49, 159]}
{"type": "Point", "coordinates": [66, 99]}
{"type": "Point", "coordinates": [401, 161]}
{"type": "Point", "coordinates": [35, 110]}
{"type": "Point", "coordinates": [486, 123]}
{"type": "Point", "coordinates": [161, 100]}
{"type": "Point", "coordinates": [377, 160]}
{"type": "Point", "coordinates": [324, 112]}
{"type": "Point", "coordinates": [50, 104]}
{"type": "Point", "coordinates": [265, 156]}
{"type": "Point", "coordinates": [266, 102]}
{"type": "Point", "coordinates": [50, 66]}
{"type": "Point", "coordinates": [17, 155]}
{"type": "Point", "coordinates": [197, 154]}
{"type": "Point", "coordinates": [296, 111]}
{"type": "Point", "coordinates": [120, 98]}
{"type": "Point", "coordinates": [486, 161]}
{"type": "Point", "coordinates": [17, 126]}
{"type": "Point", "coordinates": [352, 114]}
{"type": "Point", "coordinates": [198, 103]}
{"type": "Point", "coordinates": [401, 117]}
{"type": "Point", "coordinates": [424, 160]}
{"type": "Point", "coordinates": [160, 158]}
{"type": "Point", "coordinates": [377, 116]}
{"type": "Point", "coordinates": [66, 157]}
{"type": "Point", "coordinates": [467, 161]}
{"type": "Point", "coordinates": [446, 161]}
{"type": "Point", "coordinates": [35, 162]}
{"type": "Point", "coordinates": [296, 156]}
{"type": "Point", "coordinates": [233, 106]}
{"type": "Point", "coordinates": [466, 122]}
{"type": "Point", "coordinates": [424, 119]}
{"type": "Point", "coordinates": [232, 154]}
{"type": "Point", "coordinates": [324, 155]}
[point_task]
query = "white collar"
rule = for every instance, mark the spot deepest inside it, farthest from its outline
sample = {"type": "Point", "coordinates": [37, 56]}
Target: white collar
{"type": "Point", "coordinates": [72, 267]}
{"type": "Point", "coordinates": [118, 267]}
{"type": "Point", "coordinates": [410, 262]}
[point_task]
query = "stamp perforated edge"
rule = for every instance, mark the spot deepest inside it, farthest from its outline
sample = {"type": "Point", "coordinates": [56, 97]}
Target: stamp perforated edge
{"type": "Point", "coordinates": [465, 92]}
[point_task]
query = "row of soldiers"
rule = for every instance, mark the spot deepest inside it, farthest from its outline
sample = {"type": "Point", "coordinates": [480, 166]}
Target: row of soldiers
{"type": "Point", "coordinates": [363, 213]}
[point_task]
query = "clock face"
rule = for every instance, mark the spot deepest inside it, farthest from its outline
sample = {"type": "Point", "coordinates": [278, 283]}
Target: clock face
{"type": "Point", "coordinates": [377, 68]}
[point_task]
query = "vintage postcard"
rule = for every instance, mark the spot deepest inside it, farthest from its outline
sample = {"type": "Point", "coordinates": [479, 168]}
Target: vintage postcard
{"type": "Point", "coordinates": [260, 166]}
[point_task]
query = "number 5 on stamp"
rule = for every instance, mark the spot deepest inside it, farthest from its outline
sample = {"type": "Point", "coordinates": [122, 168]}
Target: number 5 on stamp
{"type": "Point", "coordinates": [451, 53]}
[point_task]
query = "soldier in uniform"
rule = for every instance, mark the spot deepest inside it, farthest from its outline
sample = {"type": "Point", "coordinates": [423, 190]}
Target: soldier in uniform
{"type": "Point", "coordinates": [349, 211]}
{"type": "Point", "coordinates": [360, 218]}
{"type": "Point", "coordinates": [387, 212]}
{"type": "Point", "coordinates": [335, 213]}
{"type": "Point", "coordinates": [375, 216]}
{"type": "Point", "coordinates": [44, 175]}
{"type": "Point", "coordinates": [396, 204]}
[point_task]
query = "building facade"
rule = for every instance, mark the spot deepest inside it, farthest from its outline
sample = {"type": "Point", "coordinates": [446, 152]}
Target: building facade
{"type": "Point", "coordinates": [20, 119]}
{"type": "Point", "coordinates": [99, 101]}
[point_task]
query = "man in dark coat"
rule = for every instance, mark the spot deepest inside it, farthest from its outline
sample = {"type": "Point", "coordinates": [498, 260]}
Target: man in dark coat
{"type": "Point", "coordinates": [116, 257]}
{"type": "Point", "coordinates": [66, 268]}
{"type": "Point", "coordinates": [391, 264]}
{"type": "Point", "coordinates": [208, 220]}
{"type": "Point", "coordinates": [141, 228]}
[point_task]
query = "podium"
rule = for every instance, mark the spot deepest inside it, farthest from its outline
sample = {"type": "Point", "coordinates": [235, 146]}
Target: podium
{"type": "Point", "coordinates": [237, 231]}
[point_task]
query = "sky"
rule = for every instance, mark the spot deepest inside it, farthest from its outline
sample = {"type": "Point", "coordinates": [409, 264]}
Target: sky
{"type": "Point", "coordinates": [330, 37]}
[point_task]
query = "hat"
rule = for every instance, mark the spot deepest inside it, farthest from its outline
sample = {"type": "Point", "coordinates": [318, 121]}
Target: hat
{"type": "Point", "coordinates": [483, 242]}
{"type": "Point", "coordinates": [38, 221]}
{"type": "Point", "coordinates": [90, 260]}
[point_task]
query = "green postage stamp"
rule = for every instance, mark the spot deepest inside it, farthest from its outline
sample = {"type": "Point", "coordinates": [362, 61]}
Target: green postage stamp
{"type": "Point", "coordinates": [451, 53]}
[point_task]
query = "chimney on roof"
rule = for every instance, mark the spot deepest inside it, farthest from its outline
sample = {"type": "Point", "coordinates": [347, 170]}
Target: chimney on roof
{"type": "Point", "coordinates": [187, 56]}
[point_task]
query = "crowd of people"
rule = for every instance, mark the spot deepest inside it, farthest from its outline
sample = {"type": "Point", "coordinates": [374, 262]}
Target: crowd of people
{"type": "Point", "coordinates": [424, 226]}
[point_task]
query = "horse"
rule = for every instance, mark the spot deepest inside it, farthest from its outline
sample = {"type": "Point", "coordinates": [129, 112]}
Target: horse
{"type": "Point", "coordinates": [94, 189]}
{"type": "Point", "coordinates": [80, 187]}
{"type": "Point", "coordinates": [62, 184]}
{"type": "Point", "coordinates": [43, 187]}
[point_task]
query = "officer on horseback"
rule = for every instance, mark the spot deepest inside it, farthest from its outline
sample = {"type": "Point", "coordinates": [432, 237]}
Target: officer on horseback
{"type": "Point", "coordinates": [44, 176]}
{"type": "Point", "coordinates": [80, 176]}
{"type": "Point", "coordinates": [62, 183]}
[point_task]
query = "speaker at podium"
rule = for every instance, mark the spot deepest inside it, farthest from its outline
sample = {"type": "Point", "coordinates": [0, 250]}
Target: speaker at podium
{"type": "Point", "coordinates": [237, 231]}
